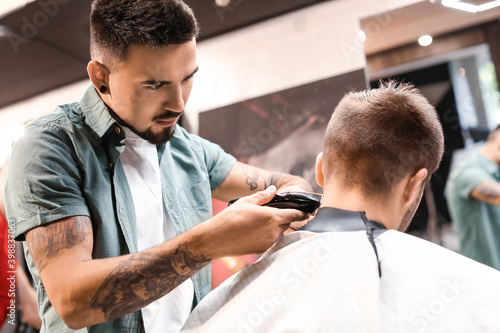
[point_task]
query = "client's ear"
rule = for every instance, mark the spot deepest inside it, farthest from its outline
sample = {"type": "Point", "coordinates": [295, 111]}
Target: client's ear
{"type": "Point", "coordinates": [320, 176]}
{"type": "Point", "coordinates": [414, 186]}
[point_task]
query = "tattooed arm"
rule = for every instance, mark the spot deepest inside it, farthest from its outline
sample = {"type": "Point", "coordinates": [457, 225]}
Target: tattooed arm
{"type": "Point", "coordinates": [487, 191]}
{"type": "Point", "coordinates": [245, 179]}
{"type": "Point", "coordinates": [86, 291]}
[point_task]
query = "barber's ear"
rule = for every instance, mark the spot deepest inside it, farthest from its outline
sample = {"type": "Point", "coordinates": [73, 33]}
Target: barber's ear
{"type": "Point", "coordinates": [320, 176]}
{"type": "Point", "coordinates": [99, 75]}
{"type": "Point", "coordinates": [414, 186]}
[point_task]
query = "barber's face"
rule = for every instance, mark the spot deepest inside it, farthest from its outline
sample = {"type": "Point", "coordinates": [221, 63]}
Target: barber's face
{"type": "Point", "coordinates": [148, 92]}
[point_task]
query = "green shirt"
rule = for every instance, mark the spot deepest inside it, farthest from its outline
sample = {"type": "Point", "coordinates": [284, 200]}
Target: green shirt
{"type": "Point", "coordinates": [67, 164]}
{"type": "Point", "coordinates": [477, 222]}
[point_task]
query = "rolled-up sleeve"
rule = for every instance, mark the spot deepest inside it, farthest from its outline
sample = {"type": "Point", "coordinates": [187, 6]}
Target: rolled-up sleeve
{"type": "Point", "coordinates": [44, 181]}
{"type": "Point", "coordinates": [468, 179]}
{"type": "Point", "coordinates": [217, 161]}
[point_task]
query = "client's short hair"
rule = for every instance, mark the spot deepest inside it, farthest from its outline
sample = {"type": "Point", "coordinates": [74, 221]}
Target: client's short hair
{"type": "Point", "coordinates": [377, 137]}
{"type": "Point", "coordinates": [117, 24]}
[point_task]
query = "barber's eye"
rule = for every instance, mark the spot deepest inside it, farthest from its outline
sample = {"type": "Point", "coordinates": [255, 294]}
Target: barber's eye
{"type": "Point", "coordinates": [155, 87]}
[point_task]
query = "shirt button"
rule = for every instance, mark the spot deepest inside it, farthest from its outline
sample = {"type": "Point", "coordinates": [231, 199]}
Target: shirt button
{"type": "Point", "coordinates": [110, 166]}
{"type": "Point", "coordinates": [118, 130]}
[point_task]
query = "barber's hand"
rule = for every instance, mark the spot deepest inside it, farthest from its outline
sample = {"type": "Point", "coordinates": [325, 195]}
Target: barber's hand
{"type": "Point", "coordinates": [294, 226]}
{"type": "Point", "coordinates": [299, 224]}
{"type": "Point", "coordinates": [246, 227]}
{"type": "Point", "coordinates": [291, 188]}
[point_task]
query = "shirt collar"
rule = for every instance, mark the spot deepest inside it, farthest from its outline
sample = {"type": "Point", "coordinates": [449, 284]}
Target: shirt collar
{"type": "Point", "coordinates": [334, 219]}
{"type": "Point", "coordinates": [96, 113]}
{"type": "Point", "coordinates": [132, 139]}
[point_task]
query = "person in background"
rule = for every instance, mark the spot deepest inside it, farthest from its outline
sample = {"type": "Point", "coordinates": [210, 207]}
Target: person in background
{"type": "Point", "coordinates": [352, 269]}
{"type": "Point", "coordinates": [113, 198]}
{"type": "Point", "coordinates": [473, 198]}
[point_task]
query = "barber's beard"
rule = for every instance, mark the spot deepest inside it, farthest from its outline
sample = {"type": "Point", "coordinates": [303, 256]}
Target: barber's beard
{"type": "Point", "coordinates": [163, 136]}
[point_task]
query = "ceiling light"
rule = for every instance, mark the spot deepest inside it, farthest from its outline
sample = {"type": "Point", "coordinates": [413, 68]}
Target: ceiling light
{"type": "Point", "coordinates": [222, 3]}
{"type": "Point", "coordinates": [362, 36]}
{"type": "Point", "coordinates": [460, 5]}
{"type": "Point", "coordinates": [7, 7]}
{"type": "Point", "coordinates": [489, 5]}
{"type": "Point", "coordinates": [425, 40]}
{"type": "Point", "coordinates": [468, 7]}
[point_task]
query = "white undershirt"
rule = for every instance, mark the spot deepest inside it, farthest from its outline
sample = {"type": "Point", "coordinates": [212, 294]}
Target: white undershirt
{"type": "Point", "coordinates": [141, 165]}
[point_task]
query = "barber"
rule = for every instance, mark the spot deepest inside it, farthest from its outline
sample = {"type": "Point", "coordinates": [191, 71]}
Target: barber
{"type": "Point", "coordinates": [113, 199]}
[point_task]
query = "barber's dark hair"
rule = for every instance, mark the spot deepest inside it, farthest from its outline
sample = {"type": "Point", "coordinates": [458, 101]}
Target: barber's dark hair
{"type": "Point", "coordinates": [117, 24]}
{"type": "Point", "coordinates": [377, 137]}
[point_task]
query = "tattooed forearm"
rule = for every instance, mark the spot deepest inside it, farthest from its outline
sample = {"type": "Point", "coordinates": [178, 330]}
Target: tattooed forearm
{"type": "Point", "coordinates": [488, 191]}
{"type": "Point", "coordinates": [282, 180]}
{"type": "Point", "coordinates": [253, 180]}
{"type": "Point", "coordinates": [142, 279]}
{"type": "Point", "coordinates": [273, 179]}
{"type": "Point", "coordinates": [259, 179]}
{"type": "Point", "coordinates": [49, 240]}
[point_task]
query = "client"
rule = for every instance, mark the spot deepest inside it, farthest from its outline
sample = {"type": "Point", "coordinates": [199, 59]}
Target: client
{"type": "Point", "coordinates": [352, 269]}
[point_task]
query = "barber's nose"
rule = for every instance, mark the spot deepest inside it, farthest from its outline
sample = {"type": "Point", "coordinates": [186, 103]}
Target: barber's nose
{"type": "Point", "coordinates": [175, 101]}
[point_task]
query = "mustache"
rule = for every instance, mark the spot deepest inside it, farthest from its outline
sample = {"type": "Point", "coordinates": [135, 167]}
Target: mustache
{"type": "Point", "coordinates": [168, 115]}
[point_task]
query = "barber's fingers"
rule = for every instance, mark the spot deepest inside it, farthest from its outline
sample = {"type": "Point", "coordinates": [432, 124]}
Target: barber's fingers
{"type": "Point", "coordinates": [299, 224]}
{"type": "Point", "coordinates": [289, 215]}
{"type": "Point", "coordinates": [260, 197]}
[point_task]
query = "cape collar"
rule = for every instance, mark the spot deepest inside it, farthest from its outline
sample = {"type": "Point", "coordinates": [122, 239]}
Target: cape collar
{"type": "Point", "coordinates": [330, 219]}
{"type": "Point", "coordinates": [334, 219]}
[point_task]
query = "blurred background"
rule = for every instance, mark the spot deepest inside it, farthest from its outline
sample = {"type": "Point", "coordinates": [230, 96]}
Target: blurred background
{"type": "Point", "coordinates": [272, 71]}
